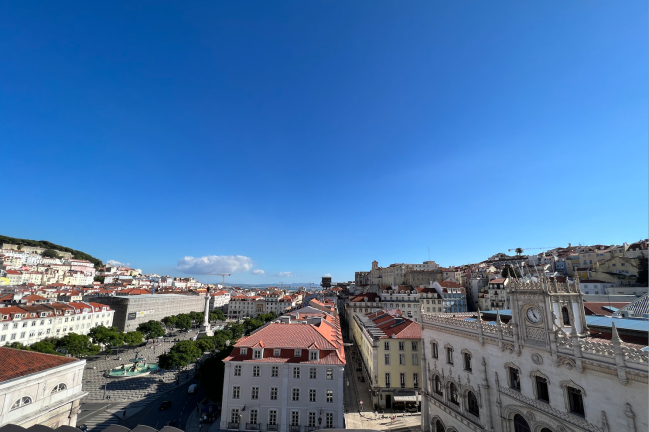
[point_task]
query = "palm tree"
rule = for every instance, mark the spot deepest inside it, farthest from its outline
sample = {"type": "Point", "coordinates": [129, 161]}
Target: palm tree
{"type": "Point", "coordinates": [519, 251]}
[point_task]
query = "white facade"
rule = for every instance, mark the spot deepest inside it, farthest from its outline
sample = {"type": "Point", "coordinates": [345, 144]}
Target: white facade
{"type": "Point", "coordinates": [47, 397]}
{"type": "Point", "coordinates": [540, 372]}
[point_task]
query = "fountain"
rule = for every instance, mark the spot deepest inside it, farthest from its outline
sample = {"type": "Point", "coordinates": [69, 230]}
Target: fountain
{"type": "Point", "coordinates": [137, 367]}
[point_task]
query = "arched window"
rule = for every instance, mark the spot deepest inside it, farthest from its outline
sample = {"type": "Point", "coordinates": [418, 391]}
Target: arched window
{"type": "Point", "coordinates": [453, 393]}
{"type": "Point", "coordinates": [473, 404]}
{"type": "Point", "coordinates": [25, 400]}
{"type": "Point", "coordinates": [439, 426]}
{"type": "Point", "coordinates": [59, 387]}
{"type": "Point", "coordinates": [438, 385]}
{"type": "Point", "coordinates": [520, 425]}
{"type": "Point", "coordinates": [565, 315]}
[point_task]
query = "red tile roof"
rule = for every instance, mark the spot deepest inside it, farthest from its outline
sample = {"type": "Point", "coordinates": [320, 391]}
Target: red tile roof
{"type": "Point", "coordinates": [597, 308]}
{"type": "Point", "coordinates": [17, 363]}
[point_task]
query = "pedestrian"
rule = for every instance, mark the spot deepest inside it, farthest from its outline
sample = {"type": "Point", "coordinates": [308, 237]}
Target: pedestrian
{"type": "Point", "coordinates": [376, 415]}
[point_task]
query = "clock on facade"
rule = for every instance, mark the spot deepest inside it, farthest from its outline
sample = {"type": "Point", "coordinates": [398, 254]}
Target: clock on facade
{"type": "Point", "coordinates": [534, 315]}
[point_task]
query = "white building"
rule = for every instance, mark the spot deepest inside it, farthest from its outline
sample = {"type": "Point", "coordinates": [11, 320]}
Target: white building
{"type": "Point", "coordinates": [286, 376]}
{"type": "Point", "coordinates": [39, 389]}
{"type": "Point", "coordinates": [540, 372]}
{"type": "Point", "coordinates": [30, 324]}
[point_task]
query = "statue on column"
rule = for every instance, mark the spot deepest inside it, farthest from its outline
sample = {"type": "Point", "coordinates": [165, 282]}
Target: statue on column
{"type": "Point", "coordinates": [206, 330]}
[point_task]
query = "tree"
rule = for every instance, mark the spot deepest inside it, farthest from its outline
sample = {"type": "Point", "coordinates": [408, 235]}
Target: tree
{"type": "Point", "coordinates": [151, 329]}
{"type": "Point", "coordinates": [44, 346]}
{"type": "Point", "coordinates": [642, 270]}
{"type": "Point", "coordinates": [180, 355]}
{"type": "Point", "coordinates": [18, 345]}
{"type": "Point", "coordinates": [78, 345]}
{"type": "Point", "coordinates": [519, 251]}
{"type": "Point", "coordinates": [509, 271]}
{"type": "Point", "coordinates": [217, 315]}
{"type": "Point", "coordinates": [197, 317]}
{"type": "Point", "coordinates": [170, 321]}
{"type": "Point", "coordinates": [206, 344]}
{"type": "Point", "coordinates": [108, 336]}
{"type": "Point", "coordinates": [212, 374]}
{"type": "Point", "coordinates": [50, 253]}
{"type": "Point", "coordinates": [183, 322]}
{"type": "Point", "coordinates": [133, 338]}
{"type": "Point", "coordinates": [100, 279]}
{"type": "Point", "coordinates": [237, 330]}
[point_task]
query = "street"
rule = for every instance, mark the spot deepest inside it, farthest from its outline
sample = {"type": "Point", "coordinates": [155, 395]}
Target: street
{"type": "Point", "coordinates": [97, 416]}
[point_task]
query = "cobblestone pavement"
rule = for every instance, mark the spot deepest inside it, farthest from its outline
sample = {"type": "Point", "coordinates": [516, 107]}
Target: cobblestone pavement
{"type": "Point", "coordinates": [369, 421]}
{"type": "Point", "coordinates": [100, 388]}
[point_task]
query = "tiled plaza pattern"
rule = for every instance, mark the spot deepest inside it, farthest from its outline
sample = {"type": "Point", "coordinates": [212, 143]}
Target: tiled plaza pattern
{"type": "Point", "coordinates": [131, 389]}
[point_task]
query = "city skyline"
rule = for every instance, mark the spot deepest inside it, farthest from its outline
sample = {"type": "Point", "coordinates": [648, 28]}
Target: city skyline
{"type": "Point", "coordinates": [300, 140]}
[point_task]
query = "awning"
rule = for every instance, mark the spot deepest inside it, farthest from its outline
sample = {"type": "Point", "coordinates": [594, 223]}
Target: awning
{"type": "Point", "coordinates": [407, 398]}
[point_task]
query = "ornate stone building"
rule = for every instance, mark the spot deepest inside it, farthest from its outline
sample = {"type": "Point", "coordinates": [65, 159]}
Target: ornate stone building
{"type": "Point", "coordinates": [542, 371]}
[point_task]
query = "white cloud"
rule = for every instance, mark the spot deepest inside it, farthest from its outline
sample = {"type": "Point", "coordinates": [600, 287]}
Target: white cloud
{"type": "Point", "coordinates": [285, 274]}
{"type": "Point", "coordinates": [327, 275]}
{"type": "Point", "coordinates": [117, 263]}
{"type": "Point", "coordinates": [258, 272]}
{"type": "Point", "coordinates": [214, 264]}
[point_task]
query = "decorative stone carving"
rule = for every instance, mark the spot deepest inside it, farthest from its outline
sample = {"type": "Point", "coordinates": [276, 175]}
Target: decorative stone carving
{"type": "Point", "coordinates": [508, 347]}
{"type": "Point", "coordinates": [537, 359]}
{"type": "Point", "coordinates": [630, 418]}
{"type": "Point", "coordinates": [568, 362]}
{"type": "Point", "coordinates": [535, 333]}
{"type": "Point", "coordinates": [604, 422]}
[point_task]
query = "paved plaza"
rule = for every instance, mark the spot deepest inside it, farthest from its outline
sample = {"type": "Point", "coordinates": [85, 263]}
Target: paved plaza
{"type": "Point", "coordinates": [100, 388]}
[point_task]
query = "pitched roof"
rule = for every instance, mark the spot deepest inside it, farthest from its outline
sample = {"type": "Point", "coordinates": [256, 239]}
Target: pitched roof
{"type": "Point", "coordinates": [599, 308]}
{"type": "Point", "coordinates": [16, 363]}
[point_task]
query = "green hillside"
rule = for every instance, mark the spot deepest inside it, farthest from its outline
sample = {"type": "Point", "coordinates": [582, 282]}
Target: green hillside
{"type": "Point", "coordinates": [49, 245]}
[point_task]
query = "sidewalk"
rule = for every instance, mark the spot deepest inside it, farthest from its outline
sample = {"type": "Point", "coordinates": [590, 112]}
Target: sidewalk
{"type": "Point", "coordinates": [193, 424]}
{"type": "Point", "coordinates": [367, 421]}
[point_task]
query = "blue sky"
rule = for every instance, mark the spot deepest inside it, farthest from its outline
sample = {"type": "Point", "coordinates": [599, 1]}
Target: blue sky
{"type": "Point", "coordinates": [310, 138]}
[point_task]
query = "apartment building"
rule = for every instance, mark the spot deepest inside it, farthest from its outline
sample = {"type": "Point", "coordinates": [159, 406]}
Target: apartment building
{"type": "Point", "coordinates": [390, 349]}
{"type": "Point", "coordinates": [286, 376]}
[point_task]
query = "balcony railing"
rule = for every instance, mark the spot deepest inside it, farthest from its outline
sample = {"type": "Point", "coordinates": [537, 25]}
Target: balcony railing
{"type": "Point", "coordinates": [233, 425]}
{"type": "Point", "coordinates": [272, 427]}
{"type": "Point", "coordinates": [294, 428]}
{"type": "Point", "coordinates": [252, 426]}
{"type": "Point", "coordinates": [310, 428]}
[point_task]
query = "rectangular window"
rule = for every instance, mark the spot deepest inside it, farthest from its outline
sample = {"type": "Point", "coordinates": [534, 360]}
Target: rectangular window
{"type": "Point", "coordinates": [255, 393]}
{"type": "Point", "coordinates": [234, 417]}
{"type": "Point", "coordinates": [298, 353]}
{"type": "Point", "coordinates": [514, 379]}
{"type": "Point", "coordinates": [272, 417]}
{"type": "Point", "coordinates": [277, 353]}
{"type": "Point", "coordinates": [13, 336]}
{"type": "Point", "coordinates": [387, 359]}
{"type": "Point", "coordinates": [402, 346]}
{"type": "Point", "coordinates": [274, 372]}
{"type": "Point", "coordinates": [273, 393]}
{"type": "Point", "coordinates": [330, 396]}
{"type": "Point", "coordinates": [576, 401]}
{"type": "Point", "coordinates": [542, 389]}
{"type": "Point", "coordinates": [467, 362]}
{"type": "Point", "coordinates": [313, 355]}
{"type": "Point", "coordinates": [253, 416]}
{"type": "Point", "coordinates": [330, 374]}
{"type": "Point", "coordinates": [295, 418]}
{"type": "Point", "coordinates": [415, 380]}
{"type": "Point", "coordinates": [414, 346]}
{"type": "Point", "coordinates": [311, 395]}
{"type": "Point", "coordinates": [243, 351]}
{"type": "Point", "coordinates": [256, 354]}
{"type": "Point", "coordinates": [387, 380]}
{"type": "Point", "coordinates": [5, 326]}
{"type": "Point", "coordinates": [386, 346]}
{"type": "Point", "coordinates": [236, 392]}
{"type": "Point", "coordinates": [296, 372]}
{"type": "Point", "coordinates": [433, 350]}
{"type": "Point", "coordinates": [330, 421]}
{"type": "Point", "coordinates": [402, 359]}
{"type": "Point", "coordinates": [449, 355]}
{"type": "Point", "coordinates": [311, 419]}
{"type": "Point", "coordinates": [237, 371]}
{"type": "Point", "coordinates": [255, 371]}
{"type": "Point", "coordinates": [313, 373]}
{"type": "Point", "coordinates": [415, 359]}
{"type": "Point", "coordinates": [402, 380]}
{"type": "Point", "coordinates": [296, 394]}
{"type": "Point", "coordinates": [22, 335]}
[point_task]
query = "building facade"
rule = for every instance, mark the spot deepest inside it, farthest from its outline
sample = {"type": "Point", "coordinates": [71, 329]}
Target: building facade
{"type": "Point", "coordinates": [39, 389]}
{"type": "Point", "coordinates": [542, 371]}
{"type": "Point", "coordinates": [286, 376]}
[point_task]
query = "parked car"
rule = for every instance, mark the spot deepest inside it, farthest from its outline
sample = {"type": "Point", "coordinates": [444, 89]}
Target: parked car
{"type": "Point", "coordinates": [192, 388]}
{"type": "Point", "coordinates": [165, 405]}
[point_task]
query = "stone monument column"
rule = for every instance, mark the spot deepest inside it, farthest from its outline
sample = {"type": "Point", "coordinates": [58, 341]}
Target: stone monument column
{"type": "Point", "coordinates": [206, 330]}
